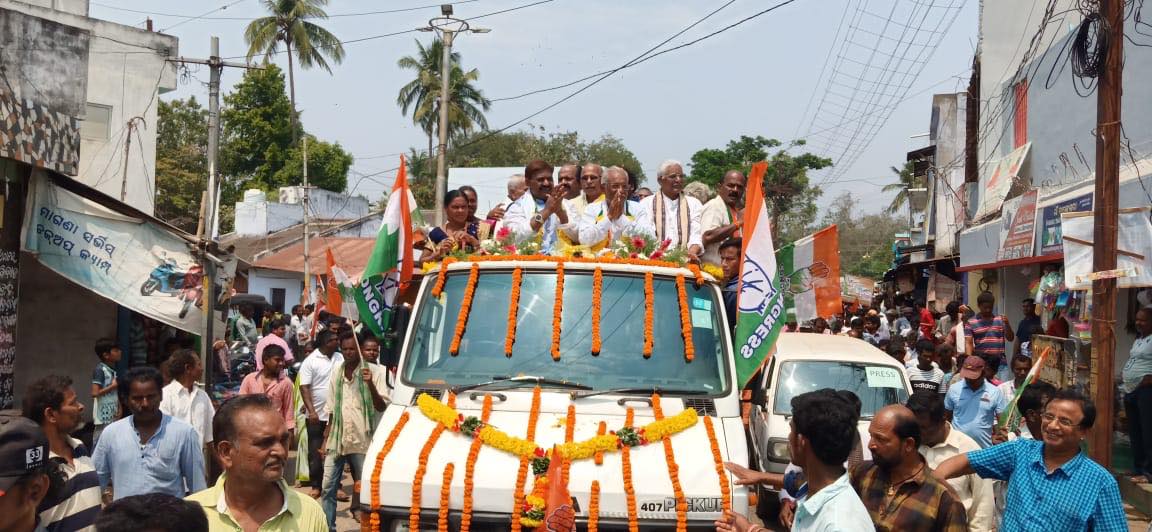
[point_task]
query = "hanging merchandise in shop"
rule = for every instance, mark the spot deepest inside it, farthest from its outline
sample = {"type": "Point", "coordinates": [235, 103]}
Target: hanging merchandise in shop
{"type": "Point", "coordinates": [1133, 249]}
{"type": "Point", "coordinates": [999, 184]}
{"type": "Point", "coordinates": [132, 261]}
{"type": "Point", "coordinates": [1018, 232]}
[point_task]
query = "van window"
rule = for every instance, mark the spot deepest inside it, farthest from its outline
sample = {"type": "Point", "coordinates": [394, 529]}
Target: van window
{"type": "Point", "coordinates": [875, 392]}
{"type": "Point", "coordinates": [620, 363]}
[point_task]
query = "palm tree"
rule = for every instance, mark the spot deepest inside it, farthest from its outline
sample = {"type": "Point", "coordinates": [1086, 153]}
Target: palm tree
{"type": "Point", "coordinates": [422, 95]}
{"type": "Point", "coordinates": [304, 41]}
{"type": "Point", "coordinates": [905, 179]}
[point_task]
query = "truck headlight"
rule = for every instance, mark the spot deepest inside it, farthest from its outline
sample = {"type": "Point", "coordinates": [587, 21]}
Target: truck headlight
{"type": "Point", "coordinates": [778, 450]}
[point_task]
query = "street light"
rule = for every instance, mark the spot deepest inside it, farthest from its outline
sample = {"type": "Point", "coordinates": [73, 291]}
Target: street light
{"type": "Point", "coordinates": [448, 28]}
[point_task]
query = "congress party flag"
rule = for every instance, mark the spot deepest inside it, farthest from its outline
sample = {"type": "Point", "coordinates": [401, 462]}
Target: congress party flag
{"type": "Point", "coordinates": [810, 275]}
{"type": "Point", "coordinates": [760, 304]}
{"type": "Point", "coordinates": [390, 265]}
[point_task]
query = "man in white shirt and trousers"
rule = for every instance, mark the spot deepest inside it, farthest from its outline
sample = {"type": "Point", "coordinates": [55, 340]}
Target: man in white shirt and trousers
{"type": "Point", "coordinates": [675, 215]}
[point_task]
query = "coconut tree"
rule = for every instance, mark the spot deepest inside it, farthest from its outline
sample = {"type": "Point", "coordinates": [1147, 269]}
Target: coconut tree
{"type": "Point", "coordinates": [905, 179]}
{"type": "Point", "coordinates": [422, 94]}
{"type": "Point", "coordinates": [304, 41]}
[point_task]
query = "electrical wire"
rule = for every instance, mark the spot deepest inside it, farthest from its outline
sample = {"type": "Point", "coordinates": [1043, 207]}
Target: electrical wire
{"type": "Point", "coordinates": [190, 19]}
{"type": "Point", "coordinates": [333, 15]}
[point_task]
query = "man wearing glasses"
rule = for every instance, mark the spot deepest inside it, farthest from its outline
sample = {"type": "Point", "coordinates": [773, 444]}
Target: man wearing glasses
{"type": "Point", "coordinates": [1052, 484]}
{"type": "Point", "coordinates": [676, 216]}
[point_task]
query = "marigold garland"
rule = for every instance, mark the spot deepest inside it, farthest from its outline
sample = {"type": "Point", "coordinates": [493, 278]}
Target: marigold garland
{"type": "Point", "coordinates": [374, 490]}
{"type": "Point", "coordinates": [600, 430]}
{"type": "Point", "coordinates": [626, 470]}
{"type": "Point", "coordinates": [597, 293]}
{"type": "Point", "coordinates": [441, 277]}
{"type": "Point", "coordinates": [422, 468]}
{"type": "Point", "coordinates": [569, 434]}
{"type": "Point", "coordinates": [557, 311]}
{"type": "Point", "coordinates": [470, 469]}
{"type": "Point", "coordinates": [649, 304]}
{"type": "Point", "coordinates": [445, 492]}
{"type": "Point", "coordinates": [725, 490]}
{"type": "Point", "coordinates": [513, 311]}
{"type": "Point", "coordinates": [522, 473]}
{"type": "Point", "coordinates": [594, 508]}
{"type": "Point", "coordinates": [673, 472]}
{"type": "Point", "coordinates": [465, 309]}
{"type": "Point", "coordinates": [685, 320]}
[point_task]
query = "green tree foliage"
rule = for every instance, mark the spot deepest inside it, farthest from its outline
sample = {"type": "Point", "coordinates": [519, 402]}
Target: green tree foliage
{"type": "Point", "coordinates": [865, 240]}
{"type": "Point", "coordinates": [328, 165]}
{"type": "Point", "coordinates": [422, 179]}
{"type": "Point", "coordinates": [257, 131]}
{"type": "Point", "coordinates": [905, 179]}
{"type": "Point", "coordinates": [467, 104]}
{"type": "Point", "coordinates": [791, 197]}
{"type": "Point", "coordinates": [518, 147]}
{"type": "Point", "coordinates": [181, 165]}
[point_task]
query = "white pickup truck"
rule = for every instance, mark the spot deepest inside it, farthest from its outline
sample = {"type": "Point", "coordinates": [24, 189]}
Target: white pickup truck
{"type": "Point", "coordinates": [405, 466]}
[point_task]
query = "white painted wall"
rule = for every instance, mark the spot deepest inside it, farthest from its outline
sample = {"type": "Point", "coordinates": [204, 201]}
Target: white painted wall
{"type": "Point", "coordinates": [256, 216]}
{"type": "Point", "coordinates": [127, 70]}
{"type": "Point", "coordinates": [261, 281]}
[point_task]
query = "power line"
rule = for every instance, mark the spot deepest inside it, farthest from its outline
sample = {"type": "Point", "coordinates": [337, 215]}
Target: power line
{"type": "Point", "coordinates": [190, 19]}
{"type": "Point", "coordinates": [334, 15]}
{"type": "Point", "coordinates": [639, 59]}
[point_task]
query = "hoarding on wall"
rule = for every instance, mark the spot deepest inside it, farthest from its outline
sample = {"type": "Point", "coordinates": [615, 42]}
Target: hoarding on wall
{"type": "Point", "coordinates": [1051, 239]}
{"type": "Point", "coordinates": [857, 289]}
{"type": "Point", "coordinates": [137, 264]}
{"type": "Point", "coordinates": [1018, 232]}
{"type": "Point", "coordinates": [941, 290]}
{"type": "Point", "coordinates": [999, 183]}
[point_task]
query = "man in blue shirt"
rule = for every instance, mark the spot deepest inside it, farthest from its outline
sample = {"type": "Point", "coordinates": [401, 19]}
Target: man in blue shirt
{"type": "Point", "coordinates": [148, 451]}
{"type": "Point", "coordinates": [974, 402]}
{"type": "Point", "coordinates": [1052, 484]}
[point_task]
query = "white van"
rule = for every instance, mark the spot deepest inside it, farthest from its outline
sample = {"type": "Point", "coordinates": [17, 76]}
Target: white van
{"type": "Point", "coordinates": [806, 362]}
{"type": "Point", "coordinates": [601, 387]}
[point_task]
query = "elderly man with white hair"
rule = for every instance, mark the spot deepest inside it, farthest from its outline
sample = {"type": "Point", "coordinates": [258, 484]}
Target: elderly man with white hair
{"type": "Point", "coordinates": [516, 189]}
{"type": "Point", "coordinates": [675, 215]}
{"type": "Point", "coordinates": [614, 215]}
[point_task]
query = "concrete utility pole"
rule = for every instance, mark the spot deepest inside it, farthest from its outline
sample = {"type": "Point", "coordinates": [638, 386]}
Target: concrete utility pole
{"type": "Point", "coordinates": [209, 209]}
{"type": "Point", "coordinates": [128, 144]}
{"type": "Point", "coordinates": [448, 28]}
{"type": "Point", "coordinates": [1106, 220]}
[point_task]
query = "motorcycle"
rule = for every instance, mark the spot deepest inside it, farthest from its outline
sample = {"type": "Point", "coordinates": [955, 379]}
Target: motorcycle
{"type": "Point", "coordinates": [168, 279]}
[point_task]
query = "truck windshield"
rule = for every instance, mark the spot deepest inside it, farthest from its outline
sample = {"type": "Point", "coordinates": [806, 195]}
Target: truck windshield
{"type": "Point", "coordinates": [877, 386]}
{"type": "Point", "coordinates": [620, 364]}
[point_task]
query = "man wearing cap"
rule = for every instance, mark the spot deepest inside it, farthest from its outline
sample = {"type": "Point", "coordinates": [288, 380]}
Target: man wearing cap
{"type": "Point", "coordinates": [25, 473]}
{"type": "Point", "coordinates": [974, 402]}
{"type": "Point", "coordinates": [51, 402]}
{"type": "Point", "coordinates": [148, 451]}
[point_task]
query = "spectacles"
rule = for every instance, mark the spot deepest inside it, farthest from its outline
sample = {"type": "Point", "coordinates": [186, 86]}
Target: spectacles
{"type": "Point", "coordinates": [1064, 422]}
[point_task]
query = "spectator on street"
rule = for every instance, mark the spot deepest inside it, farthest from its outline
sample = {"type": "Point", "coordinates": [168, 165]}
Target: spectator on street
{"type": "Point", "coordinates": [51, 403]}
{"type": "Point", "coordinates": [27, 476]}
{"type": "Point", "coordinates": [152, 512]}
{"type": "Point", "coordinates": [1052, 484]}
{"type": "Point", "coordinates": [987, 334]}
{"type": "Point", "coordinates": [1137, 382]}
{"type": "Point", "coordinates": [105, 403]}
{"type": "Point", "coordinates": [939, 442]}
{"type": "Point", "coordinates": [252, 447]}
{"type": "Point", "coordinates": [358, 393]}
{"type": "Point", "coordinates": [974, 402]}
{"type": "Point", "coordinates": [923, 373]}
{"type": "Point", "coordinates": [926, 321]}
{"type": "Point", "coordinates": [897, 487]}
{"type": "Point", "coordinates": [315, 375]}
{"type": "Point", "coordinates": [148, 451]}
{"type": "Point", "coordinates": [183, 399]}
{"type": "Point", "coordinates": [1021, 365]}
{"type": "Point", "coordinates": [244, 328]}
{"type": "Point", "coordinates": [1028, 325]}
{"type": "Point", "coordinates": [271, 382]}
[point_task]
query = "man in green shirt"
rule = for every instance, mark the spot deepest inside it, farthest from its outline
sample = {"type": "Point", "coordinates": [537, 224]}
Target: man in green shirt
{"type": "Point", "coordinates": [252, 446]}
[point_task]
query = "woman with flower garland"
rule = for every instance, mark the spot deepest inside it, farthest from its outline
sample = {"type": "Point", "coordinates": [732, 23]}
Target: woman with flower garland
{"type": "Point", "coordinates": [457, 233]}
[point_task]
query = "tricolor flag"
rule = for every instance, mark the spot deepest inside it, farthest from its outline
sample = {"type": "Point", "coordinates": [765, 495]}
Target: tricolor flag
{"type": "Point", "coordinates": [810, 275]}
{"type": "Point", "coordinates": [390, 265]}
{"type": "Point", "coordinates": [339, 290]}
{"type": "Point", "coordinates": [1009, 417]}
{"type": "Point", "coordinates": [760, 304]}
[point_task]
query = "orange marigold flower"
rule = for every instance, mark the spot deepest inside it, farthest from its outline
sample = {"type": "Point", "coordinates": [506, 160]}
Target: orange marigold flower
{"type": "Point", "coordinates": [685, 319]}
{"type": "Point", "coordinates": [445, 492]}
{"type": "Point", "coordinates": [470, 469]}
{"type": "Point", "coordinates": [597, 293]}
{"type": "Point", "coordinates": [513, 311]}
{"type": "Point", "coordinates": [718, 459]}
{"type": "Point", "coordinates": [626, 469]}
{"type": "Point", "coordinates": [557, 311]}
{"type": "Point", "coordinates": [594, 507]}
{"type": "Point", "coordinates": [522, 473]}
{"type": "Point", "coordinates": [649, 308]}
{"type": "Point", "coordinates": [465, 308]}
{"type": "Point", "coordinates": [673, 472]}
{"type": "Point", "coordinates": [374, 489]}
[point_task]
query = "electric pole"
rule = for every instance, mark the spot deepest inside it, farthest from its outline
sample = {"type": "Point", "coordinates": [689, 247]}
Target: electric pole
{"type": "Point", "coordinates": [206, 233]}
{"type": "Point", "coordinates": [1106, 220]}
{"type": "Point", "coordinates": [448, 28]}
{"type": "Point", "coordinates": [127, 144]}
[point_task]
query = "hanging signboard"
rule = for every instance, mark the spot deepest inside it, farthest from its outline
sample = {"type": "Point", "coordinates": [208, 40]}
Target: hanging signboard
{"type": "Point", "coordinates": [999, 183]}
{"type": "Point", "coordinates": [1018, 234]}
{"type": "Point", "coordinates": [131, 261]}
{"type": "Point", "coordinates": [1051, 239]}
{"type": "Point", "coordinates": [857, 289]}
{"type": "Point", "coordinates": [1133, 249]}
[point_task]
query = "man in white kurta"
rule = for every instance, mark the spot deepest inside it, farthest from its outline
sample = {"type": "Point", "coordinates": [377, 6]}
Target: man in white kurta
{"type": "Point", "coordinates": [675, 216]}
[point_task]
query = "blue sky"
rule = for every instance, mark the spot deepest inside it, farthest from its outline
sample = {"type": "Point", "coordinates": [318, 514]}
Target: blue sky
{"type": "Point", "coordinates": [755, 79]}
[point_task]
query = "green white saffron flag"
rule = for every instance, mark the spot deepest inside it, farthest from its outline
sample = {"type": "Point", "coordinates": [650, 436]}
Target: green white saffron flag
{"type": "Point", "coordinates": [760, 304]}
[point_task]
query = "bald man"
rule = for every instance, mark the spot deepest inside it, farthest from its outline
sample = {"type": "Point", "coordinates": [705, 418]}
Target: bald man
{"type": "Point", "coordinates": [614, 216]}
{"type": "Point", "coordinates": [723, 215]}
{"type": "Point", "coordinates": [897, 487]}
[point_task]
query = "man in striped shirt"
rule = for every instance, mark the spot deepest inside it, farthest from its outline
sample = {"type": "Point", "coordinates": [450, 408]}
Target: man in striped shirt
{"type": "Point", "coordinates": [987, 334]}
{"type": "Point", "coordinates": [51, 402]}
